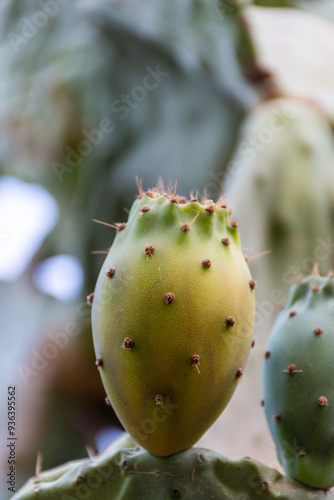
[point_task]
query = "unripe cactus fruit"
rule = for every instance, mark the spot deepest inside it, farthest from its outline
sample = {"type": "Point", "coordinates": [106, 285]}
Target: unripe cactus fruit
{"type": "Point", "coordinates": [173, 324]}
{"type": "Point", "coordinates": [298, 382]}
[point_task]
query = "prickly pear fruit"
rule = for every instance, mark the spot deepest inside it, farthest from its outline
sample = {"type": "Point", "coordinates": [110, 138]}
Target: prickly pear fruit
{"type": "Point", "coordinates": [172, 319]}
{"type": "Point", "coordinates": [134, 474]}
{"type": "Point", "coordinates": [298, 382]}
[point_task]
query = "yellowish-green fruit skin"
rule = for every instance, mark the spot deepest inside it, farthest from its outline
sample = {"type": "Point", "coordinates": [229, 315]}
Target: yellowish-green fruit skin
{"type": "Point", "coordinates": [131, 304]}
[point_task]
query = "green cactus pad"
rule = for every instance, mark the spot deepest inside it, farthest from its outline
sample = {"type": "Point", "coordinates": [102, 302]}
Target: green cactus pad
{"type": "Point", "coordinates": [298, 382]}
{"type": "Point", "coordinates": [136, 474]}
{"type": "Point", "coordinates": [172, 319]}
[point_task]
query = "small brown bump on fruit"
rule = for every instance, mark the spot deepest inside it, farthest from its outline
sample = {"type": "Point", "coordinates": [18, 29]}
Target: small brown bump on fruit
{"type": "Point", "coordinates": [252, 284]}
{"type": "Point", "coordinates": [99, 362]}
{"type": "Point", "coordinates": [107, 401]}
{"type": "Point", "coordinates": [195, 359]}
{"type": "Point", "coordinates": [292, 314]}
{"type": "Point", "coordinates": [175, 493]}
{"type": "Point", "coordinates": [185, 227]}
{"type": "Point", "coordinates": [127, 343]}
{"type": "Point", "coordinates": [79, 480]}
{"type": "Point", "coordinates": [120, 226]}
{"type": "Point", "coordinates": [159, 399]}
{"type": "Point", "coordinates": [110, 273]}
{"type": "Point", "coordinates": [210, 208]}
{"type": "Point", "coordinates": [253, 344]}
{"type": "Point", "coordinates": [169, 298]}
{"type": "Point", "coordinates": [292, 369]}
{"type": "Point", "coordinates": [240, 373]}
{"type": "Point", "coordinates": [226, 241]}
{"type": "Point", "coordinates": [267, 355]}
{"type": "Point", "coordinates": [277, 417]}
{"type": "Point", "coordinates": [206, 263]}
{"type": "Point", "coordinates": [323, 401]}
{"type": "Point", "coordinates": [90, 299]}
{"type": "Point", "coordinates": [315, 288]}
{"type": "Point", "coordinates": [318, 330]}
{"type": "Point", "coordinates": [302, 453]}
{"type": "Point", "coordinates": [145, 208]}
{"type": "Point", "coordinates": [230, 321]}
{"type": "Point", "coordinates": [149, 250]}
{"type": "Point", "coordinates": [262, 402]}
{"type": "Point", "coordinates": [234, 223]}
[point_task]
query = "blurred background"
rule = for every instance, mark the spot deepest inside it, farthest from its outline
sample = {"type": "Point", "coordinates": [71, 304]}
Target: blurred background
{"type": "Point", "coordinates": [226, 96]}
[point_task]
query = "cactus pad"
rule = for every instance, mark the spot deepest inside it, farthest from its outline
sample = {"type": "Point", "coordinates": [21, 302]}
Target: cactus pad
{"type": "Point", "coordinates": [135, 474]}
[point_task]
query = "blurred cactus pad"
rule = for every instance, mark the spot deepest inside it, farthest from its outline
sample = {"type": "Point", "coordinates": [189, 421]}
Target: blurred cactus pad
{"type": "Point", "coordinates": [123, 472]}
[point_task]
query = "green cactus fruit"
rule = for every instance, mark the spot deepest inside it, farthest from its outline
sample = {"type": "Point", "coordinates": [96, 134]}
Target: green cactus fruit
{"type": "Point", "coordinates": [172, 319]}
{"type": "Point", "coordinates": [298, 382]}
{"type": "Point", "coordinates": [124, 473]}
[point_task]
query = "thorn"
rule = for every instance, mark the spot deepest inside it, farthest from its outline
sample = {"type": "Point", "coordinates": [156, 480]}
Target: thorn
{"type": "Point", "coordinates": [149, 250]}
{"type": "Point", "coordinates": [159, 399]}
{"type": "Point", "coordinates": [267, 355]}
{"type": "Point", "coordinates": [90, 452]}
{"type": "Point", "coordinates": [230, 321]}
{"type": "Point", "coordinates": [79, 480]}
{"type": "Point", "coordinates": [262, 402]}
{"type": "Point", "coordinates": [193, 198]}
{"type": "Point", "coordinates": [323, 401]}
{"type": "Point", "coordinates": [127, 343]}
{"type": "Point", "coordinates": [292, 314]}
{"type": "Point", "coordinates": [107, 401]}
{"type": "Point", "coordinates": [119, 226]}
{"type": "Point", "coordinates": [252, 344]}
{"type": "Point", "coordinates": [221, 202]}
{"type": "Point", "coordinates": [99, 252]}
{"type": "Point", "coordinates": [292, 369]}
{"type": "Point", "coordinates": [183, 200]}
{"type": "Point", "coordinates": [210, 207]}
{"type": "Point", "coordinates": [110, 273]}
{"type": "Point", "coordinates": [240, 373]}
{"type": "Point", "coordinates": [39, 463]}
{"type": "Point", "coordinates": [126, 210]}
{"type": "Point", "coordinates": [252, 284]}
{"type": "Point", "coordinates": [186, 226]}
{"type": "Point", "coordinates": [206, 263]}
{"type": "Point", "coordinates": [139, 183]}
{"type": "Point", "coordinates": [277, 417]}
{"type": "Point", "coordinates": [234, 224]}
{"type": "Point", "coordinates": [195, 359]}
{"type": "Point", "coordinates": [145, 208]}
{"type": "Point", "coordinates": [315, 288]}
{"type": "Point", "coordinates": [226, 241]}
{"type": "Point", "coordinates": [169, 298]}
{"type": "Point", "coordinates": [315, 270]}
{"type": "Point", "coordinates": [261, 254]}
{"type": "Point", "coordinates": [90, 299]}
{"type": "Point", "coordinates": [99, 362]}
{"type": "Point", "coordinates": [318, 330]}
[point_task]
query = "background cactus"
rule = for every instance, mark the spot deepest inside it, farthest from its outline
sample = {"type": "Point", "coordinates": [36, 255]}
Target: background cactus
{"type": "Point", "coordinates": [124, 473]}
{"type": "Point", "coordinates": [172, 319]}
{"type": "Point", "coordinates": [298, 374]}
